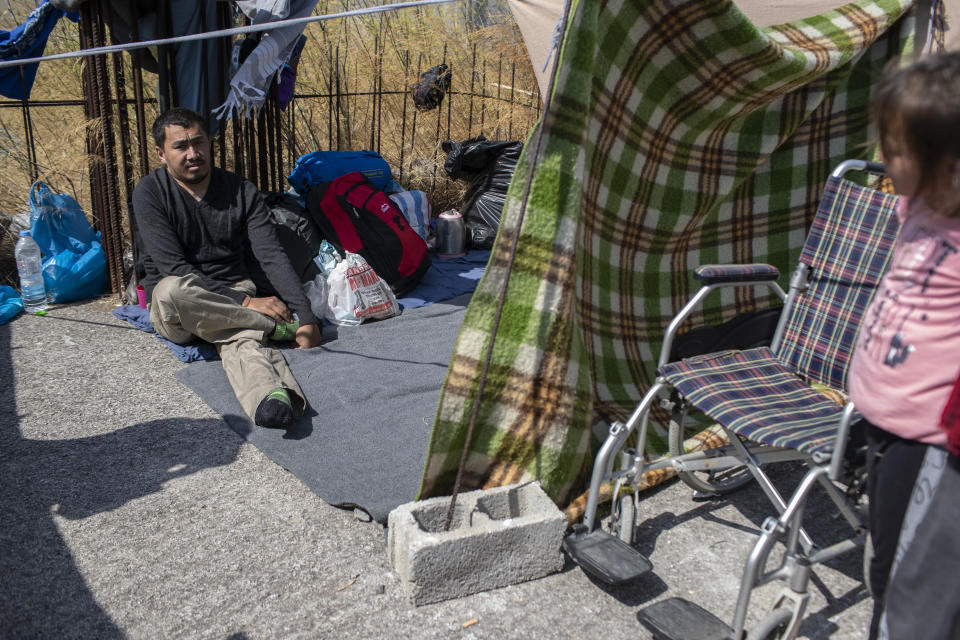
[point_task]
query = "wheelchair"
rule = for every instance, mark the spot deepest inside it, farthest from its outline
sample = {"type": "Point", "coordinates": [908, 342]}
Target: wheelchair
{"type": "Point", "coordinates": [764, 405]}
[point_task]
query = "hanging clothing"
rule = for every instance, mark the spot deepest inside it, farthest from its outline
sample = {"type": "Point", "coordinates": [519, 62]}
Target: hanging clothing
{"type": "Point", "coordinates": [27, 41]}
{"type": "Point", "coordinates": [249, 86]}
{"type": "Point", "coordinates": [197, 70]}
{"type": "Point", "coordinates": [118, 15]}
{"type": "Point", "coordinates": [260, 11]}
{"type": "Point", "coordinates": [200, 86]}
{"type": "Point", "coordinates": [122, 16]}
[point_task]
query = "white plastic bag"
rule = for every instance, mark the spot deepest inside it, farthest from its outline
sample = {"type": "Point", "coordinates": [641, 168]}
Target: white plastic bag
{"type": "Point", "coordinates": [316, 291]}
{"type": "Point", "coordinates": [357, 293]}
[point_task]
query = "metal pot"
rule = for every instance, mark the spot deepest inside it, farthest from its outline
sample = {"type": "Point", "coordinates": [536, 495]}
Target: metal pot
{"type": "Point", "coordinates": [451, 234]}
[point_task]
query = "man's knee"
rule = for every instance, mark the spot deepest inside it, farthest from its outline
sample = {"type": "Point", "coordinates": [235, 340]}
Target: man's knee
{"type": "Point", "coordinates": [172, 288]}
{"type": "Point", "coordinates": [165, 307]}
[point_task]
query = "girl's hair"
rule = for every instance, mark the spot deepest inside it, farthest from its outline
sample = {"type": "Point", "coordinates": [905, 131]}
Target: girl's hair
{"type": "Point", "coordinates": [918, 105]}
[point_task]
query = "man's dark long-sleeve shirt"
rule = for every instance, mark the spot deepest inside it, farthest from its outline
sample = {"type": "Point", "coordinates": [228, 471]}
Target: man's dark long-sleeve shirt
{"type": "Point", "coordinates": [209, 238]}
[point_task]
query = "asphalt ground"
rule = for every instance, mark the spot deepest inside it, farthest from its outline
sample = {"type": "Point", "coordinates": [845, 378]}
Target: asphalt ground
{"type": "Point", "coordinates": [129, 509]}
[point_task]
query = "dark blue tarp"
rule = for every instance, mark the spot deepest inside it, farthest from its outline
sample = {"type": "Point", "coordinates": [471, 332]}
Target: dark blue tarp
{"type": "Point", "coordinates": [447, 278]}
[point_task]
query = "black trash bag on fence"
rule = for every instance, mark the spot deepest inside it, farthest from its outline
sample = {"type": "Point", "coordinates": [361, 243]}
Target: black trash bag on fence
{"type": "Point", "coordinates": [434, 83]}
{"type": "Point", "coordinates": [487, 165]}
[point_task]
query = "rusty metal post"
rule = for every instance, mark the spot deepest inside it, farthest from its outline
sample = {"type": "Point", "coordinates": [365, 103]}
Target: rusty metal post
{"type": "Point", "coordinates": [513, 89]}
{"type": "Point", "coordinates": [436, 138]}
{"type": "Point", "coordinates": [338, 104]}
{"type": "Point", "coordinates": [113, 242]}
{"type": "Point", "coordinates": [373, 101]}
{"type": "Point", "coordinates": [89, 109]}
{"type": "Point", "coordinates": [413, 125]}
{"type": "Point", "coordinates": [260, 151]}
{"type": "Point", "coordinates": [497, 101]}
{"type": "Point", "coordinates": [144, 142]}
{"type": "Point", "coordinates": [123, 123]}
{"type": "Point", "coordinates": [473, 77]}
{"type": "Point", "coordinates": [28, 130]}
{"type": "Point", "coordinates": [483, 94]}
{"type": "Point", "coordinates": [403, 121]}
{"type": "Point", "coordinates": [100, 146]}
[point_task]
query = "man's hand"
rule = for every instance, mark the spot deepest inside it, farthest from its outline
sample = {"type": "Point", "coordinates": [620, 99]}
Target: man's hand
{"type": "Point", "coordinates": [308, 336]}
{"type": "Point", "coordinates": [272, 307]}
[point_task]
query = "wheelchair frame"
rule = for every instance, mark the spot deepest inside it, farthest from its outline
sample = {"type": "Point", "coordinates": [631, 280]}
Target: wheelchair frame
{"type": "Point", "coordinates": [801, 553]}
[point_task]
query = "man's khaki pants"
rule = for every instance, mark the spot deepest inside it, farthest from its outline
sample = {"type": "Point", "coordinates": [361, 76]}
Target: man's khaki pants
{"type": "Point", "coordinates": [181, 309]}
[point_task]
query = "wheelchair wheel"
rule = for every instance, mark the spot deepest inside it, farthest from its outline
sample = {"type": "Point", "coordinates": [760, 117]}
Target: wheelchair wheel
{"type": "Point", "coordinates": [712, 482]}
{"type": "Point", "coordinates": [773, 626]}
{"type": "Point", "coordinates": [626, 518]}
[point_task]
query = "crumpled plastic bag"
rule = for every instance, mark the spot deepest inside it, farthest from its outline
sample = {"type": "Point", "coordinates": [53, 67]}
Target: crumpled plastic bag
{"type": "Point", "coordinates": [74, 263]}
{"type": "Point", "coordinates": [327, 258]}
{"type": "Point", "coordinates": [434, 83]}
{"type": "Point", "coordinates": [317, 292]}
{"type": "Point", "coordinates": [10, 304]}
{"type": "Point", "coordinates": [488, 166]}
{"type": "Point", "coordinates": [357, 293]}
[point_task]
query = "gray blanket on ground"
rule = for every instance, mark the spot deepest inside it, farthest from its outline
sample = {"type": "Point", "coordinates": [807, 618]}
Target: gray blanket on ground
{"type": "Point", "coordinates": [372, 391]}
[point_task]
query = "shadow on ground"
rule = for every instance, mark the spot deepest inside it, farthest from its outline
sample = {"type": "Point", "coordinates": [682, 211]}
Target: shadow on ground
{"type": "Point", "coordinates": [44, 593]}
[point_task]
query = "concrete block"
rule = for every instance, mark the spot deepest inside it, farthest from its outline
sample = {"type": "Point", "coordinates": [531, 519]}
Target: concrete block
{"type": "Point", "coordinates": [498, 537]}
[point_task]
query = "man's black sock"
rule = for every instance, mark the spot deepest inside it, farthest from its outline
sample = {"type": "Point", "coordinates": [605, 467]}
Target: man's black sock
{"type": "Point", "coordinates": [275, 410]}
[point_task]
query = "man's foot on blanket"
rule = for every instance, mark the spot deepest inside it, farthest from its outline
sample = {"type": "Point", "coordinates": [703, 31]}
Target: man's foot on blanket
{"type": "Point", "coordinates": [285, 331]}
{"type": "Point", "coordinates": [275, 410]}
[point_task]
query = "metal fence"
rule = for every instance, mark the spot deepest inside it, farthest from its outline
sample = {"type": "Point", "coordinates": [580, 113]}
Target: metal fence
{"type": "Point", "coordinates": [353, 93]}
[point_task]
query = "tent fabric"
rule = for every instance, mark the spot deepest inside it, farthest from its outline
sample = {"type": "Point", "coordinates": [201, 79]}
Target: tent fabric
{"type": "Point", "coordinates": [679, 134]}
{"type": "Point", "coordinates": [537, 19]}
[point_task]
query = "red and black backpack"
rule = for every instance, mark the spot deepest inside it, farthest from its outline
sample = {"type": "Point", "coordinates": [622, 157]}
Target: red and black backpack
{"type": "Point", "coordinates": [354, 215]}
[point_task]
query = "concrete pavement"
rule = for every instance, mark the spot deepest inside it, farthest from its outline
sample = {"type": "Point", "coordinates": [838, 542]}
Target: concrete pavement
{"type": "Point", "coordinates": [129, 509]}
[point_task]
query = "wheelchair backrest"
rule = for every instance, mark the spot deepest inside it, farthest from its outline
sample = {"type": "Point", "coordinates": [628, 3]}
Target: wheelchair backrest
{"type": "Point", "coordinates": [846, 252]}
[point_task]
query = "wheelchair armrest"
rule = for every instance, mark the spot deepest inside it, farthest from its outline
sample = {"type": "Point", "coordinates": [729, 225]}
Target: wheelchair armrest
{"type": "Point", "coordinates": [733, 273]}
{"type": "Point", "coordinates": [718, 275]}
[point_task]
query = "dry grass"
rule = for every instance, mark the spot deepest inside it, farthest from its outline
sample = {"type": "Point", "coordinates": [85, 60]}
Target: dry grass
{"type": "Point", "coordinates": [370, 62]}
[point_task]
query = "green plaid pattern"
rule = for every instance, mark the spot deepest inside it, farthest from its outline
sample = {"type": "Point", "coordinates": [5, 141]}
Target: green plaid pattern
{"type": "Point", "coordinates": [679, 135]}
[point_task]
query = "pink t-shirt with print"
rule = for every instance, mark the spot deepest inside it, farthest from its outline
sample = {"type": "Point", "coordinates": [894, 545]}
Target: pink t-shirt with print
{"type": "Point", "coordinates": [908, 349]}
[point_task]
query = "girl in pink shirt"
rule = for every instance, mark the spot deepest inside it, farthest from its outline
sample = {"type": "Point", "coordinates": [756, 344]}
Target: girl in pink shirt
{"type": "Point", "coordinates": [908, 348]}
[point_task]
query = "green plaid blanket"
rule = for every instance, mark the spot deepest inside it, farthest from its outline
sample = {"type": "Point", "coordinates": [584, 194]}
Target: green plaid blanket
{"type": "Point", "coordinates": [679, 134]}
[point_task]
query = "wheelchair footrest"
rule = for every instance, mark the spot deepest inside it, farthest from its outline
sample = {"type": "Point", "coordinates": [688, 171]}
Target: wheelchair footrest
{"type": "Point", "coordinates": [605, 556]}
{"type": "Point", "coordinates": [679, 619]}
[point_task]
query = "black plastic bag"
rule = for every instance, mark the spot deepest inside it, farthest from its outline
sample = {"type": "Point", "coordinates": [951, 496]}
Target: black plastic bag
{"type": "Point", "coordinates": [434, 83]}
{"type": "Point", "coordinates": [487, 165]}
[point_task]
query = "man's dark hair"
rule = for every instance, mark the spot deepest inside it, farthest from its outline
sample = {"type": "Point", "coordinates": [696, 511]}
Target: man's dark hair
{"type": "Point", "coordinates": [177, 117]}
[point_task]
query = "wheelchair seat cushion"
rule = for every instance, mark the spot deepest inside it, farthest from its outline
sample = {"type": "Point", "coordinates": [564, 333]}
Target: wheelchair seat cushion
{"type": "Point", "coordinates": [751, 393]}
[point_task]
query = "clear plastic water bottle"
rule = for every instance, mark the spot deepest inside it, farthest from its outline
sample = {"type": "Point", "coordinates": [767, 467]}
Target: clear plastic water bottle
{"type": "Point", "coordinates": [32, 292]}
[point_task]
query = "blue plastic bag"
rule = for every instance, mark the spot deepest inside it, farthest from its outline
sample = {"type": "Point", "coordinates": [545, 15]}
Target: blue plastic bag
{"type": "Point", "coordinates": [10, 304]}
{"type": "Point", "coordinates": [74, 263]}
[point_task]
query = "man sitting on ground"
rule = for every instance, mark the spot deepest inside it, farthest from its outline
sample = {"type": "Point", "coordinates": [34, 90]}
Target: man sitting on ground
{"type": "Point", "coordinates": [200, 227]}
